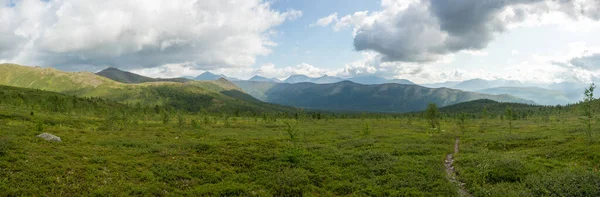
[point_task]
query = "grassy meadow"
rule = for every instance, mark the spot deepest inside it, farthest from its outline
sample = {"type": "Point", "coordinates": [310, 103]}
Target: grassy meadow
{"type": "Point", "coordinates": [114, 149]}
{"type": "Point", "coordinates": [246, 157]}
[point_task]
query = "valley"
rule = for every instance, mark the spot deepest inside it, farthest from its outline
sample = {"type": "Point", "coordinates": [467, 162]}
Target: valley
{"type": "Point", "coordinates": [209, 138]}
{"type": "Point", "coordinates": [300, 98]}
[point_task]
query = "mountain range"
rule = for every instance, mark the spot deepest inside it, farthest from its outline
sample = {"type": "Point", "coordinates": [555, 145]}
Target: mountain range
{"type": "Point", "coordinates": [196, 95]}
{"type": "Point", "coordinates": [325, 79]}
{"type": "Point", "coordinates": [388, 97]}
{"type": "Point", "coordinates": [546, 94]}
{"type": "Point", "coordinates": [476, 84]}
{"type": "Point", "coordinates": [350, 96]}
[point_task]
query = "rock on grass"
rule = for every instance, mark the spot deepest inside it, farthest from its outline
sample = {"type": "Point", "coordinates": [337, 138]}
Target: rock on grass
{"type": "Point", "coordinates": [49, 137]}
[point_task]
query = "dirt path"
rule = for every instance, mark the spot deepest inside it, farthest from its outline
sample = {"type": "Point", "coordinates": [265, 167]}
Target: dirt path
{"type": "Point", "coordinates": [449, 165]}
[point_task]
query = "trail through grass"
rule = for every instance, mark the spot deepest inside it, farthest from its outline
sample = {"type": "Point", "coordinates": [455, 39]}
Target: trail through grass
{"type": "Point", "coordinates": [449, 166]}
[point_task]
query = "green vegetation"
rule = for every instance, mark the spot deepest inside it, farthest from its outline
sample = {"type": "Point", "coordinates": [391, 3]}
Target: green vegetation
{"type": "Point", "coordinates": [219, 96]}
{"type": "Point", "coordinates": [462, 122]}
{"type": "Point", "coordinates": [509, 118]}
{"type": "Point", "coordinates": [128, 77]}
{"type": "Point", "coordinates": [112, 149]}
{"type": "Point", "coordinates": [588, 110]}
{"type": "Point", "coordinates": [432, 115]}
{"type": "Point", "coordinates": [210, 139]}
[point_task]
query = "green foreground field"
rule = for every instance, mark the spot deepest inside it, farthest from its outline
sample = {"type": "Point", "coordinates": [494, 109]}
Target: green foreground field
{"type": "Point", "coordinates": [110, 149]}
{"type": "Point", "coordinates": [327, 158]}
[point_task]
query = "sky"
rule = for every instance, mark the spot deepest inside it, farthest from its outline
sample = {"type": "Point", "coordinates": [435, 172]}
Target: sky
{"type": "Point", "coordinates": [425, 41]}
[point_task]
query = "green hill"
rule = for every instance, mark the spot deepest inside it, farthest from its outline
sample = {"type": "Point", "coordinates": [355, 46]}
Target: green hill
{"type": "Point", "coordinates": [18, 99]}
{"type": "Point", "coordinates": [349, 96]}
{"type": "Point", "coordinates": [193, 96]}
{"type": "Point", "coordinates": [492, 107]}
{"type": "Point", "coordinates": [128, 77]}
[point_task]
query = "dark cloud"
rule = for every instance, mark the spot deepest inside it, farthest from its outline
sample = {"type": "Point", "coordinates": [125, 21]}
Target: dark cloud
{"type": "Point", "coordinates": [411, 36]}
{"type": "Point", "coordinates": [431, 28]}
{"type": "Point", "coordinates": [590, 62]}
{"type": "Point", "coordinates": [471, 24]}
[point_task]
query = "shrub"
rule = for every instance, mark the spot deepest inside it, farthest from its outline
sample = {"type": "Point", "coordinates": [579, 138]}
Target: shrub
{"type": "Point", "coordinates": [292, 130]}
{"type": "Point", "coordinates": [291, 182]}
{"type": "Point", "coordinates": [565, 183]}
{"type": "Point", "coordinates": [505, 170]}
{"type": "Point", "coordinates": [39, 126]}
{"type": "Point", "coordinates": [5, 145]}
{"type": "Point", "coordinates": [367, 130]}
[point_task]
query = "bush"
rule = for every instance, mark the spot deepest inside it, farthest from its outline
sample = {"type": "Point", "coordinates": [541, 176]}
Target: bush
{"type": "Point", "coordinates": [292, 130]}
{"type": "Point", "coordinates": [291, 182]}
{"type": "Point", "coordinates": [502, 170]}
{"type": "Point", "coordinates": [565, 183]}
{"type": "Point", "coordinates": [367, 130]}
{"type": "Point", "coordinates": [293, 155]}
{"type": "Point", "coordinates": [5, 145]}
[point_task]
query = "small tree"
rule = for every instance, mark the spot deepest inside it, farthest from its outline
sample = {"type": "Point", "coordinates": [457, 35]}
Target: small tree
{"type": "Point", "coordinates": [366, 130]}
{"type": "Point", "coordinates": [39, 127]}
{"type": "Point", "coordinates": [166, 118]}
{"type": "Point", "coordinates": [206, 120]}
{"type": "Point", "coordinates": [194, 123]}
{"type": "Point", "coordinates": [292, 130]}
{"type": "Point", "coordinates": [462, 122]}
{"type": "Point", "coordinates": [180, 121]}
{"type": "Point", "coordinates": [509, 117]}
{"type": "Point", "coordinates": [484, 118]}
{"type": "Point", "coordinates": [226, 122]}
{"type": "Point", "coordinates": [432, 114]}
{"type": "Point", "coordinates": [588, 111]}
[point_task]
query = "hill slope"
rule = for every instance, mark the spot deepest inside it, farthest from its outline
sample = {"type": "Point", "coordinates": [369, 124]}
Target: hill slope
{"type": "Point", "coordinates": [128, 77]}
{"type": "Point", "coordinates": [478, 84]}
{"type": "Point", "coordinates": [539, 95]}
{"type": "Point", "coordinates": [193, 96]}
{"type": "Point", "coordinates": [349, 96]}
{"type": "Point", "coordinates": [492, 107]}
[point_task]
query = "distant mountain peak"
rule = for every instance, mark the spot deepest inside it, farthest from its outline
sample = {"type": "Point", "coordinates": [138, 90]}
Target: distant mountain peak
{"type": "Point", "coordinates": [110, 68]}
{"type": "Point", "coordinates": [208, 76]}
{"type": "Point", "coordinates": [261, 78]}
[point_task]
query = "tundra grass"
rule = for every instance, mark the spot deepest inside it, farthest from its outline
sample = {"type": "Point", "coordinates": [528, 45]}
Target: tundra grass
{"type": "Point", "coordinates": [538, 158]}
{"type": "Point", "coordinates": [233, 157]}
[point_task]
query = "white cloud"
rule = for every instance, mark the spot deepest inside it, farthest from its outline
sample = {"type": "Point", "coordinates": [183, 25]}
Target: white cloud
{"type": "Point", "coordinates": [326, 20]}
{"type": "Point", "coordinates": [169, 71]}
{"type": "Point", "coordinates": [266, 70]}
{"type": "Point", "coordinates": [356, 19]}
{"type": "Point", "coordinates": [425, 31]}
{"type": "Point", "coordinates": [133, 34]}
{"type": "Point", "coordinates": [476, 53]}
{"type": "Point", "coordinates": [271, 71]}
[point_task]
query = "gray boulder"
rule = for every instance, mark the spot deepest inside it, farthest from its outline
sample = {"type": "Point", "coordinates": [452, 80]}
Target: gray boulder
{"type": "Point", "coordinates": [49, 137]}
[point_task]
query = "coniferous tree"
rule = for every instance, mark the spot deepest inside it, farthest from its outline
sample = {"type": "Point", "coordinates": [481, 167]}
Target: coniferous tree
{"type": "Point", "coordinates": [484, 119]}
{"type": "Point", "coordinates": [462, 122]}
{"type": "Point", "coordinates": [432, 114]}
{"type": "Point", "coordinates": [588, 110]}
{"type": "Point", "coordinates": [509, 116]}
{"type": "Point", "coordinates": [166, 118]}
{"type": "Point", "coordinates": [180, 120]}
